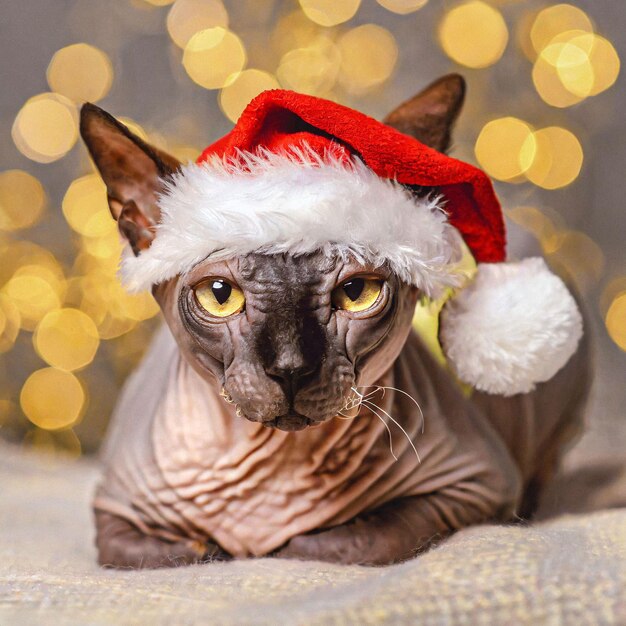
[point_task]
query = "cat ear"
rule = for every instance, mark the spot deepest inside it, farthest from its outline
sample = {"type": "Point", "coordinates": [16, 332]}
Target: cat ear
{"type": "Point", "coordinates": [430, 115]}
{"type": "Point", "coordinates": [132, 170]}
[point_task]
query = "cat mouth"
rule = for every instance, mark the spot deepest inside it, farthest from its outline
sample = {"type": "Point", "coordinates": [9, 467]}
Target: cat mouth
{"type": "Point", "coordinates": [290, 421]}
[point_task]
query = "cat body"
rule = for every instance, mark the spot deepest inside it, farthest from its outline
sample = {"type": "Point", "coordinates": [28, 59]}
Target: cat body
{"type": "Point", "coordinates": [183, 469]}
{"type": "Point", "coordinates": [288, 408]}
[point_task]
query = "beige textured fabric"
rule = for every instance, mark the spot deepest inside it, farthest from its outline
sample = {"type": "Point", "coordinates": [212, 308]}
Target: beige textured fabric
{"type": "Point", "coordinates": [571, 570]}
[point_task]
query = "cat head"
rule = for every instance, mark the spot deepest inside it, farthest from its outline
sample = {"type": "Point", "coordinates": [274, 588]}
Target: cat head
{"type": "Point", "coordinates": [286, 333]}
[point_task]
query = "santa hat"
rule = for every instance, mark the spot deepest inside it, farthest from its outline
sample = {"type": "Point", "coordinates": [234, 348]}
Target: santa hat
{"type": "Point", "coordinates": [299, 174]}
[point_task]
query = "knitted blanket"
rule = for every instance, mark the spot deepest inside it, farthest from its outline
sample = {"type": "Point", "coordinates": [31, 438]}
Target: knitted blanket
{"type": "Point", "coordinates": [567, 570]}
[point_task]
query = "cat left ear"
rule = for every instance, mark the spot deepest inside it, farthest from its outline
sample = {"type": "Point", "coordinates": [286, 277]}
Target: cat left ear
{"type": "Point", "coordinates": [430, 115]}
{"type": "Point", "coordinates": [133, 172]}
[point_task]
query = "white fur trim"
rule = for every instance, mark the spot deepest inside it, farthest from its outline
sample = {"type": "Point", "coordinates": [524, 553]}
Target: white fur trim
{"type": "Point", "coordinates": [514, 326]}
{"type": "Point", "coordinates": [296, 202]}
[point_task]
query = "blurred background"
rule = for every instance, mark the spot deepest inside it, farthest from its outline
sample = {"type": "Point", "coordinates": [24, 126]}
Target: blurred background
{"type": "Point", "coordinates": [544, 117]}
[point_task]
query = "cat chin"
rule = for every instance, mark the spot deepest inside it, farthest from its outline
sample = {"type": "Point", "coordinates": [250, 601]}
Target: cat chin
{"type": "Point", "coordinates": [290, 422]}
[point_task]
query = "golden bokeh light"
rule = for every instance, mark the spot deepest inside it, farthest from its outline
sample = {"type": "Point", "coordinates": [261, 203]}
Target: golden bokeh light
{"type": "Point", "coordinates": [22, 200]}
{"type": "Point", "coordinates": [505, 148]}
{"type": "Point", "coordinates": [213, 57]}
{"type": "Point", "coordinates": [108, 247]}
{"type": "Point", "coordinates": [293, 31]}
{"type": "Point", "coordinates": [544, 224]}
{"type": "Point", "coordinates": [10, 322]}
{"type": "Point", "coordinates": [555, 20]}
{"type": "Point", "coordinates": [605, 63]}
{"type": "Point", "coordinates": [159, 3]}
{"type": "Point", "coordinates": [46, 127]}
{"type": "Point", "coordinates": [52, 399]}
{"type": "Point", "coordinates": [66, 339]}
{"type": "Point", "coordinates": [124, 305]}
{"type": "Point", "coordinates": [80, 72]}
{"type": "Point", "coordinates": [402, 6]}
{"type": "Point", "coordinates": [311, 70]}
{"type": "Point", "coordinates": [576, 256]}
{"type": "Point", "coordinates": [614, 288]}
{"type": "Point", "coordinates": [17, 254]}
{"type": "Point", "coordinates": [573, 66]}
{"type": "Point", "coordinates": [85, 207]}
{"type": "Point", "coordinates": [330, 12]}
{"type": "Point", "coordinates": [248, 84]}
{"type": "Point", "coordinates": [188, 17]}
{"type": "Point", "coordinates": [616, 321]}
{"type": "Point", "coordinates": [33, 296]}
{"type": "Point", "coordinates": [368, 57]}
{"type": "Point", "coordinates": [474, 34]}
{"type": "Point", "coordinates": [558, 158]}
{"type": "Point", "coordinates": [549, 86]}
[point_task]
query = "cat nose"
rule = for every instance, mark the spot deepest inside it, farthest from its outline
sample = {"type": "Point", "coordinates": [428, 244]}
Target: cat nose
{"type": "Point", "coordinates": [290, 374]}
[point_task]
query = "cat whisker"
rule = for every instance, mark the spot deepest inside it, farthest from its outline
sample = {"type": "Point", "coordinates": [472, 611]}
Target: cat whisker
{"type": "Point", "coordinates": [419, 408]}
{"type": "Point", "coordinates": [373, 410]}
{"type": "Point", "coordinates": [371, 406]}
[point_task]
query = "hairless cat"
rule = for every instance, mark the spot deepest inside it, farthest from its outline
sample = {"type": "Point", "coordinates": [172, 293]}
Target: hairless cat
{"type": "Point", "coordinates": [287, 408]}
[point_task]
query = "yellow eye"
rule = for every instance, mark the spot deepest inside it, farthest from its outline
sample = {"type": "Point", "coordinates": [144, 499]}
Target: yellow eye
{"type": "Point", "coordinates": [219, 297]}
{"type": "Point", "coordinates": [357, 294]}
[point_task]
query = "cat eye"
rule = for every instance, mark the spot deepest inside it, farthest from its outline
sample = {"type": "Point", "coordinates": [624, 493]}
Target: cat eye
{"type": "Point", "coordinates": [219, 297]}
{"type": "Point", "coordinates": [358, 293]}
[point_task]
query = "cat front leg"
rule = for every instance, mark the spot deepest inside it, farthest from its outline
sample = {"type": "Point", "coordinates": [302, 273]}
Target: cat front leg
{"type": "Point", "coordinates": [402, 528]}
{"type": "Point", "coordinates": [122, 545]}
{"type": "Point", "coordinates": [394, 533]}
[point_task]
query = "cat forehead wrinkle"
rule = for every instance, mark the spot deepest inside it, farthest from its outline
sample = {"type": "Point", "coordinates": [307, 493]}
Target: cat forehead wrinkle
{"type": "Point", "coordinates": [305, 268]}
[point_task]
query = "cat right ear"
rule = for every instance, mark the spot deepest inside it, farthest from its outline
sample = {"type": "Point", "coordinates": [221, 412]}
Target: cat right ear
{"type": "Point", "coordinates": [132, 170]}
{"type": "Point", "coordinates": [430, 115]}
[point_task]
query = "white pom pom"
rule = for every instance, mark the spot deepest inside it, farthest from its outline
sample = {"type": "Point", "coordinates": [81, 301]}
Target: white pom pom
{"type": "Point", "coordinates": [514, 326]}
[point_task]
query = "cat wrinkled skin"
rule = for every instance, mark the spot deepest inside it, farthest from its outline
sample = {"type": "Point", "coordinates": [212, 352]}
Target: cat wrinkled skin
{"type": "Point", "coordinates": [295, 428]}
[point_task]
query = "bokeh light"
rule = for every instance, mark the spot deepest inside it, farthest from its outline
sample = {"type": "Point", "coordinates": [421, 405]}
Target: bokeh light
{"type": "Point", "coordinates": [80, 72]}
{"type": "Point", "coordinates": [402, 6]}
{"type": "Point", "coordinates": [614, 288]}
{"type": "Point", "coordinates": [330, 12]}
{"type": "Point", "coordinates": [213, 57]}
{"type": "Point", "coordinates": [85, 207]}
{"type": "Point", "coordinates": [46, 127]}
{"type": "Point", "coordinates": [248, 84]}
{"type": "Point", "coordinates": [293, 31]}
{"type": "Point", "coordinates": [368, 57]}
{"type": "Point", "coordinates": [616, 321]}
{"type": "Point", "coordinates": [52, 399]}
{"type": "Point", "coordinates": [66, 339]}
{"type": "Point", "coordinates": [22, 200]}
{"type": "Point", "coordinates": [33, 293]}
{"type": "Point", "coordinates": [543, 223]}
{"type": "Point", "coordinates": [474, 34]}
{"type": "Point", "coordinates": [311, 70]}
{"type": "Point", "coordinates": [575, 65]}
{"type": "Point", "coordinates": [10, 323]}
{"type": "Point", "coordinates": [555, 20]}
{"type": "Point", "coordinates": [188, 17]}
{"type": "Point", "coordinates": [577, 256]}
{"type": "Point", "coordinates": [505, 148]}
{"type": "Point", "coordinates": [558, 157]}
{"type": "Point", "coordinates": [159, 3]}
{"type": "Point", "coordinates": [16, 254]}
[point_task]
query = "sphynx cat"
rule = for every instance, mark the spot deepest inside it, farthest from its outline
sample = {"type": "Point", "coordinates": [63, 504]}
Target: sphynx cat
{"type": "Point", "coordinates": [298, 429]}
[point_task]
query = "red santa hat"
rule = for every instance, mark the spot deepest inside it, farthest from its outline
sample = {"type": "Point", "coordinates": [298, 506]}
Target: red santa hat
{"type": "Point", "coordinates": [299, 174]}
